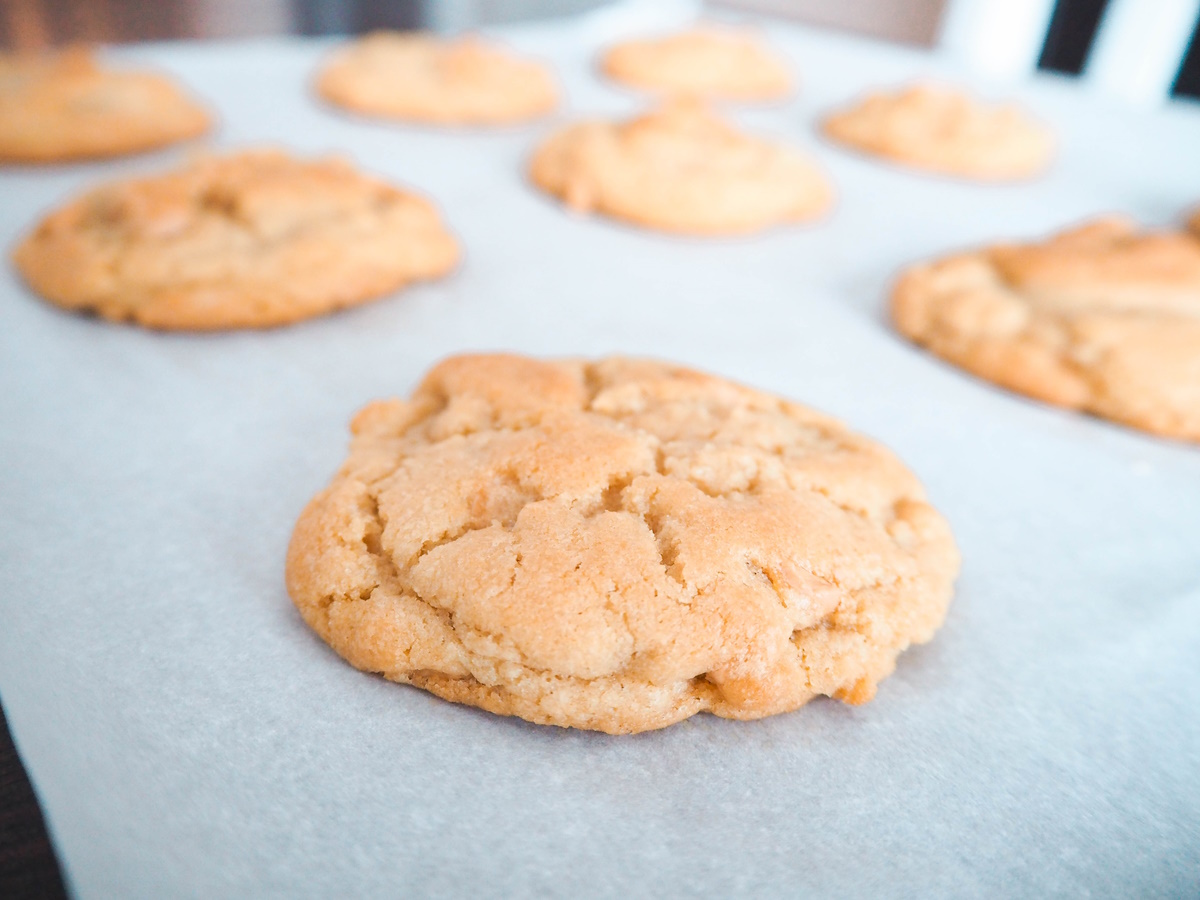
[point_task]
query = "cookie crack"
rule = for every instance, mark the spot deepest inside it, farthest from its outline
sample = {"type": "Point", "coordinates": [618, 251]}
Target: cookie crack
{"type": "Point", "coordinates": [373, 535]}
{"type": "Point", "coordinates": [593, 384]}
{"type": "Point", "coordinates": [448, 537]}
{"type": "Point", "coordinates": [623, 615]}
{"type": "Point", "coordinates": [612, 497]}
{"type": "Point", "coordinates": [668, 550]}
{"type": "Point", "coordinates": [458, 628]}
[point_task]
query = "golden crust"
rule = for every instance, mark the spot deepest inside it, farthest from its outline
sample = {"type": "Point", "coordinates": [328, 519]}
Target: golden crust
{"type": "Point", "coordinates": [422, 78]}
{"type": "Point", "coordinates": [946, 131]}
{"type": "Point", "coordinates": [717, 63]}
{"type": "Point", "coordinates": [1102, 318]}
{"type": "Point", "coordinates": [63, 106]}
{"type": "Point", "coordinates": [248, 240]}
{"type": "Point", "coordinates": [617, 546]}
{"type": "Point", "coordinates": [680, 169]}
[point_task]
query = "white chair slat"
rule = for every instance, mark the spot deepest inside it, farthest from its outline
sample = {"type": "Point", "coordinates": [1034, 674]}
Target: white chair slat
{"type": "Point", "coordinates": [1139, 48]}
{"type": "Point", "coordinates": [998, 39]}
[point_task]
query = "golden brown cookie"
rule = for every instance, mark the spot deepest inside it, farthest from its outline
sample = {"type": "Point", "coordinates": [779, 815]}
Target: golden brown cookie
{"type": "Point", "coordinates": [618, 545]}
{"type": "Point", "coordinates": [421, 78]}
{"type": "Point", "coordinates": [1102, 318]}
{"type": "Point", "coordinates": [680, 169]}
{"type": "Point", "coordinates": [717, 63]}
{"type": "Point", "coordinates": [63, 106]}
{"type": "Point", "coordinates": [249, 240]}
{"type": "Point", "coordinates": [946, 131]}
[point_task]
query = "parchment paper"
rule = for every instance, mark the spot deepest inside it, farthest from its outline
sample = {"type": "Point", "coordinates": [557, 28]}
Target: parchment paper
{"type": "Point", "coordinates": [189, 736]}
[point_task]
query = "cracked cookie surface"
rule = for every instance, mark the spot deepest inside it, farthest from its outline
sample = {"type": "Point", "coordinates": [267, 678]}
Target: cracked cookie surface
{"type": "Point", "coordinates": [64, 106]}
{"type": "Point", "coordinates": [682, 169]}
{"type": "Point", "coordinates": [617, 546]}
{"type": "Point", "coordinates": [718, 63]}
{"type": "Point", "coordinates": [428, 79]}
{"type": "Point", "coordinates": [944, 130]}
{"type": "Point", "coordinates": [249, 240]}
{"type": "Point", "coordinates": [1103, 318]}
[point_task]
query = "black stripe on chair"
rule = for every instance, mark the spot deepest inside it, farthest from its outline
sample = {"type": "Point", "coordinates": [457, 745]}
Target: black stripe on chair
{"type": "Point", "coordinates": [1072, 32]}
{"type": "Point", "coordinates": [1070, 36]}
{"type": "Point", "coordinates": [1187, 82]}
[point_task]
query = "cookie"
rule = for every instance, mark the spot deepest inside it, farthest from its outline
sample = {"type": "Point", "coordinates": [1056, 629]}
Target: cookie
{"type": "Point", "coordinates": [422, 78]}
{"type": "Point", "coordinates": [717, 63]}
{"type": "Point", "coordinates": [680, 169]}
{"type": "Point", "coordinates": [64, 106]}
{"type": "Point", "coordinates": [617, 545]}
{"type": "Point", "coordinates": [1103, 318]}
{"type": "Point", "coordinates": [946, 131]}
{"type": "Point", "coordinates": [249, 240]}
{"type": "Point", "coordinates": [1194, 222]}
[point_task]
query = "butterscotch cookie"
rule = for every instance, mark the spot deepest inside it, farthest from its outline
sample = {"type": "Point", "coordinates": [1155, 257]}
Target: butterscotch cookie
{"type": "Point", "coordinates": [618, 545]}
{"type": "Point", "coordinates": [946, 131]}
{"type": "Point", "coordinates": [680, 169]}
{"type": "Point", "coordinates": [64, 106]}
{"type": "Point", "coordinates": [717, 63]}
{"type": "Point", "coordinates": [1102, 318]}
{"type": "Point", "coordinates": [242, 241]}
{"type": "Point", "coordinates": [428, 79]}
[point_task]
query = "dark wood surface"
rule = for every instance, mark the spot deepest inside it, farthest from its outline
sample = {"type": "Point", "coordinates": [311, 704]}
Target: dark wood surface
{"type": "Point", "coordinates": [34, 24]}
{"type": "Point", "coordinates": [28, 868]}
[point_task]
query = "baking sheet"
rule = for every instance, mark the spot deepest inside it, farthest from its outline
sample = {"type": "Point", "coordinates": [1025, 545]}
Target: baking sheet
{"type": "Point", "coordinates": [189, 736]}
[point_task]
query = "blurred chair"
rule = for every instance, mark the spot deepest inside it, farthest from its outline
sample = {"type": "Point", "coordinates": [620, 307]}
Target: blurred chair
{"type": "Point", "coordinates": [1137, 53]}
{"type": "Point", "coordinates": [999, 39]}
{"type": "Point", "coordinates": [1138, 50]}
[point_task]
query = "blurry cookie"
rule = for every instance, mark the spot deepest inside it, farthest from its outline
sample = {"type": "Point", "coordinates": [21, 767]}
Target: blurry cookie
{"type": "Point", "coordinates": [680, 169]}
{"type": "Point", "coordinates": [1103, 318]}
{"type": "Point", "coordinates": [423, 78]}
{"type": "Point", "coordinates": [716, 63]}
{"type": "Point", "coordinates": [63, 106]}
{"type": "Point", "coordinates": [1194, 222]}
{"type": "Point", "coordinates": [618, 545]}
{"type": "Point", "coordinates": [242, 241]}
{"type": "Point", "coordinates": [944, 130]}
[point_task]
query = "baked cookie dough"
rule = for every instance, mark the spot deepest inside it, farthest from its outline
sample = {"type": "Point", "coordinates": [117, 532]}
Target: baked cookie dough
{"type": "Point", "coordinates": [422, 78]}
{"type": "Point", "coordinates": [618, 545]}
{"type": "Point", "coordinates": [717, 63]}
{"type": "Point", "coordinates": [63, 106]}
{"type": "Point", "coordinates": [1103, 318]}
{"type": "Point", "coordinates": [946, 131]}
{"type": "Point", "coordinates": [248, 240]}
{"type": "Point", "coordinates": [680, 169]}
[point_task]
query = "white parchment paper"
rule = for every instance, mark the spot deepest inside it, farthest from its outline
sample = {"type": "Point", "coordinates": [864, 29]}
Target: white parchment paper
{"type": "Point", "coordinates": [189, 736]}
